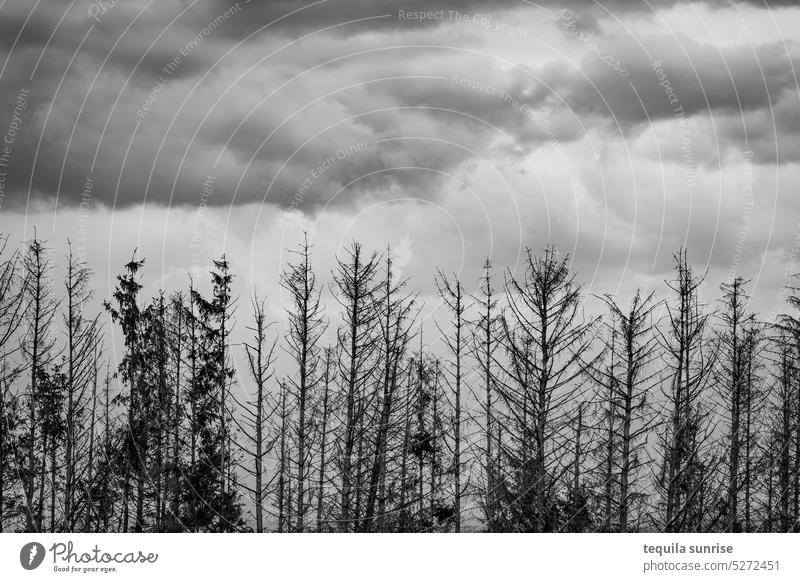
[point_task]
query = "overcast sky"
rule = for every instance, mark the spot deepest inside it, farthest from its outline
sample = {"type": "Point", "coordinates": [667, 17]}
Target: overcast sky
{"type": "Point", "coordinates": [619, 131]}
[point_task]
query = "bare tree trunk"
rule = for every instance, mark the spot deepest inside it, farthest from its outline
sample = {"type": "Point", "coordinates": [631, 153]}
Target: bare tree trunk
{"type": "Point", "coordinates": [484, 340]}
{"type": "Point", "coordinates": [259, 445]}
{"type": "Point", "coordinates": [42, 480]}
{"type": "Point", "coordinates": [107, 450]}
{"type": "Point", "coordinates": [53, 489]}
{"type": "Point", "coordinates": [452, 294]}
{"type": "Point", "coordinates": [40, 309]}
{"type": "Point", "coordinates": [324, 438]}
{"type": "Point", "coordinates": [282, 469]}
{"type": "Point", "coordinates": [11, 316]}
{"type": "Point", "coordinates": [178, 309]}
{"type": "Point", "coordinates": [731, 384]}
{"type": "Point", "coordinates": [625, 473]}
{"type": "Point", "coordinates": [394, 338]}
{"type": "Point", "coordinates": [434, 482]}
{"type": "Point", "coordinates": [578, 502]}
{"type": "Point", "coordinates": [356, 289]}
{"type": "Point", "coordinates": [90, 476]}
{"type": "Point", "coordinates": [260, 360]}
{"type": "Point", "coordinates": [404, 469]}
{"type": "Point", "coordinates": [691, 363]}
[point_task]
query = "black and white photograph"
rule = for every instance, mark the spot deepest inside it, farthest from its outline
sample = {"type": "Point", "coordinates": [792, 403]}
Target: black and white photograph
{"type": "Point", "coordinates": [377, 267]}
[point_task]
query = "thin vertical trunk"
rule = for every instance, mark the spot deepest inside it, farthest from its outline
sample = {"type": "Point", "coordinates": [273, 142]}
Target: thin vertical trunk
{"type": "Point", "coordinates": [382, 497]}
{"type": "Point", "coordinates": [457, 421]}
{"type": "Point", "coordinates": [487, 355]}
{"type": "Point", "coordinates": [33, 525]}
{"type": "Point", "coordinates": [301, 404]}
{"type": "Point", "coordinates": [421, 433]}
{"type": "Point", "coordinates": [107, 450]}
{"type": "Point", "coordinates": [90, 471]}
{"type": "Point", "coordinates": [42, 479]}
{"type": "Point", "coordinates": [378, 469]}
{"type": "Point", "coordinates": [770, 488]}
{"type": "Point", "coordinates": [540, 485]}
{"type": "Point", "coordinates": [177, 419]}
{"type": "Point", "coordinates": [283, 471]}
{"type": "Point", "coordinates": [3, 431]}
{"type": "Point", "coordinates": [53, 482]}
{"type": "Point", "coordinates": [610, 439]}
{"type": "Point", "coordinates": [349, 441]}
{"type": "Point", "coordinates": [69, 464]}
{"type": "Point", "coordinates": [359, 466]}
{"type": "Point", "coordinates": [733, 295]}
{"type": "Point", "coordinates": [434, 460]}
{"type": "Point", "coordinates": [259, 447]}
{"type": "Point", "coordinates": [490, 492]}
{"type": "Point", "coordinates": [624, 498]}
{"type": "Point", "coordinates": [784, 466]}
{"type": "Point", "coordinates": [748, 456]}
{"type": "Point", "coordinates": [576, 476]}
{"type": "Point", "coordinates": [141, 454]}
{"type": "Point", "coordinates": [404, 457]}
{"type": "Point", "coordinates": [675, 463]}
{"type": "Point", "coordinates": [223, 411]}
{"type": "Point", "coordinates": [323, 444]}
{"type": "Point", "coordinates": [161, 415]}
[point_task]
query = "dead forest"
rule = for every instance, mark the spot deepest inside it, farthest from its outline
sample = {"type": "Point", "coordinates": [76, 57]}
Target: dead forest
{"type": "Point", "coordinates": [665, 413]}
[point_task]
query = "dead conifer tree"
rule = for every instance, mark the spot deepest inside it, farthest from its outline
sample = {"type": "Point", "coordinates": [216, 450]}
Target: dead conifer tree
{"type": "Point", "coordinates": [485, 341]}
{"type": "Point", "coordinates": [689, 360]}
{"type": "Point", "coordinates": [306, 325]}
{"type": "Point", "coordinates": [547, 342]}
{"type": "Point", "coordinates": [256, 415]}
{"type": "Point", "coordinates": [452, 294]}
{"type": "Point", "coordinates": [627, 377]}
{"type": "Point", "coordinates": [38, 349]}
{"type": "Point", "coordinates": [355, 288]}
{"type": "Point", "coordinates": [395, 319]}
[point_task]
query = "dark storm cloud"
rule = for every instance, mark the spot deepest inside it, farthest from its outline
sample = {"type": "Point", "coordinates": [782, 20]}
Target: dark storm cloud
{"type": "Point", "coordinates": [681, 75]}
{"type": "Point", "coordinates": [128, 125]}
{"type": "Point", "coordinates": [741, 87]}
{"type": "Point", "coordinates": [309, 15]}
{"type": "Point", "coordinates": [749, 91]}
{"type": "Point", "coordinates": [353, 16]}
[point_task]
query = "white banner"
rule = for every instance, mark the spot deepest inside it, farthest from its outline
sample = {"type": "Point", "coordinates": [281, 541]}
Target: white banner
{"type": "Point", "coordinates": [406, 557]}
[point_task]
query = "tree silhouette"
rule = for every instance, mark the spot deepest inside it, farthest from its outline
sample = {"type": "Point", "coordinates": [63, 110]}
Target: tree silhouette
{"type": "Point", "coordinates": [522, 411]}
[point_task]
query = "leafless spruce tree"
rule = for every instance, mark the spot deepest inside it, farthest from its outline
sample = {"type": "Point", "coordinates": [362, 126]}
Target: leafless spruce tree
{"type": "Point", "coordinates": [325, 408]}
{"type": "Point", "coordinates": [82, 345]}
{"type": "Point", "coordinates": [254, 424]}
{"type": "Point", "coordinates": [783, 403]}
{"type": "Point", "coordinates": [306, 325]}
{"type": "Point", "coordinates": [485, 342]}
{"type": "Point", "coordinates": [357, 288]}
{"type": "Point", "coordinates": [689, 359]}
{"type": "Point", "coordinates": [627, 377]}
{"type": "Point", "coordinates": [733, 383]}
{"type": "Point", "coordinates": [11, 316]}
{"type": "Point", "coordinates": [395, 318]}
{"type": "Point", "coordinates": [547, 342]}
{"type": "Point", "coordinates": [38, 348]}
{"type": "Point", "coordinates": [455, 337]}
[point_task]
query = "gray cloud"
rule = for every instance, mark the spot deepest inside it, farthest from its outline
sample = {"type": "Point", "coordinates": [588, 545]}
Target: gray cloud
{"type": "Point", "coordinates": [84, 118]}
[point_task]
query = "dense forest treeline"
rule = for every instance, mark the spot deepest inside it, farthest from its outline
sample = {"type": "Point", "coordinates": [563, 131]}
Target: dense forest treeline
{"type": "Point", "coordinates": [664, 414]}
